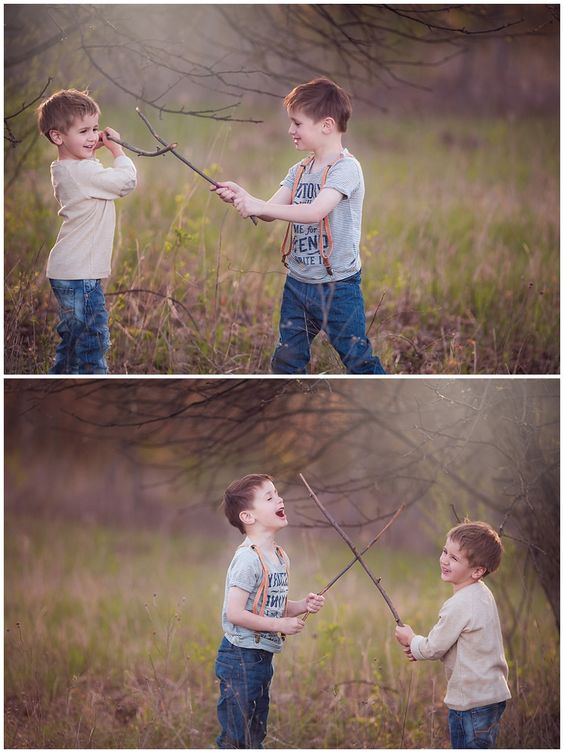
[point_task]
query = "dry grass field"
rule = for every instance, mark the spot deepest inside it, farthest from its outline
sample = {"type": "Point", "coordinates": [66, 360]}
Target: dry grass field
{"type": "Point", "coordinates": [460, 250]}
{"type": "Point", "coordinates": [111, 638]}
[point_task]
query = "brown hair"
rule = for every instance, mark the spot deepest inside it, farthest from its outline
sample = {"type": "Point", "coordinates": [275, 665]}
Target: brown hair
{"type": "Point", "coordinates": [59, 111]}
{"type": "Point", "coordinates": [321, 98]}
{"type": "Point", "coordinates": [239, 496]}
{"type": "Point", "coordinates": [479, 542]}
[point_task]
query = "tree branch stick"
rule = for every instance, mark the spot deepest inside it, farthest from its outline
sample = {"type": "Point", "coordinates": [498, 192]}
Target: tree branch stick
{"type": "Point", "coordinates": [351, 563]}
{"type": "Point", "coordinates": [142, 152]}
{"type": "Point", "coordinates": [181, 157]}
{"type": "Point", "coordinates": [358, 556]}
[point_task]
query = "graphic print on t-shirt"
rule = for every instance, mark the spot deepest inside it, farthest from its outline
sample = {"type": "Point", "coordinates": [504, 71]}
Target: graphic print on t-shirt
{"type": "Point", "coordinates": [306, 237]}
{"type": "Point", "coordinates": [277, 595]}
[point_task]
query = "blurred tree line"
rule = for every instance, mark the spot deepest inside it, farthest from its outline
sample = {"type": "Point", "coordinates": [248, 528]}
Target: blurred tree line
{"type": "Point", "coordinates": [222, 61]}
{"type": "Point", "coordinates": [160, 452]}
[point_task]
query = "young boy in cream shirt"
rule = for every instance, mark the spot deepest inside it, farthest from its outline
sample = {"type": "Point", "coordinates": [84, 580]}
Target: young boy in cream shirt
{"type": "Point", "coordinates": [81, 256]}
{"type": "Point", "coordinates": [467, 638]}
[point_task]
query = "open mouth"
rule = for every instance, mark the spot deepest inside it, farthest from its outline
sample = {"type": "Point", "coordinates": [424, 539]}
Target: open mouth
{"type": "Point", "coordinates": [281, 513]}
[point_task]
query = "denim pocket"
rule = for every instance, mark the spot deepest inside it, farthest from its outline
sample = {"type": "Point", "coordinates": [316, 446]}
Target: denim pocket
{"type": "Point", "coordinates": [65, 296]}
{"type": "Point", "coordinates": [485, 723]}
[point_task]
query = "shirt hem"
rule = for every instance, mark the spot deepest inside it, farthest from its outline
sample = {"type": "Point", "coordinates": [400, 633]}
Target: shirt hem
{"type": "Point", "coordinates": [478, 703]}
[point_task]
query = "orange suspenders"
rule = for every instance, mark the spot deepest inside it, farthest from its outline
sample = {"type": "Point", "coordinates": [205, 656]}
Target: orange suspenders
{"type": "Point", "coordinates": [262, 591]}
{"type": "Point", "coordinates": [324, 225]}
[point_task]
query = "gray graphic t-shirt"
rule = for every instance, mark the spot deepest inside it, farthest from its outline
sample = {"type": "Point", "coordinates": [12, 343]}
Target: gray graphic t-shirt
{"type": "Point", "coordinates": [305, 262]}
{"type": "Point", "coordinates": [245, 572]}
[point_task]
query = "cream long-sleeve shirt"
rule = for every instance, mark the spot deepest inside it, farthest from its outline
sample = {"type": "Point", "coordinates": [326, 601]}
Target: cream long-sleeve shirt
{"type": "Point", "coordinates": [467, 638]}
{"type": "Point", "coordinates": [86, 191]}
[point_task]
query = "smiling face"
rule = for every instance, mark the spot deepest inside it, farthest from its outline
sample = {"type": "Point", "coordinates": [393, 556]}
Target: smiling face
{"type": "Point", "coordinates": [267, 511]}
{"type": "Point", "coordinates": [455, 567]}
{"type": "Point", "coordinates": [306, 133]}
{"type": "Point", "coordinates": [80, 139]}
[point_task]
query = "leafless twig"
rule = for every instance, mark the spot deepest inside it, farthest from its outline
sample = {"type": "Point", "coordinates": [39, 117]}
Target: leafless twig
{"type": "Point", "coordinates": [25, 106]}
{"type": "Point", "coordinates": [181, 157]}
{"type": "Point", "coordinates": [142, 152]}
{"type": "Point", "coordinates": [357, 555]}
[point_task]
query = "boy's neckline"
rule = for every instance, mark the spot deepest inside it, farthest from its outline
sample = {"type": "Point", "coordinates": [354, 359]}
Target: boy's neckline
{"type": "Point", "coordinates": [344, 152]}
{"type": "Point", "coordinates": [267, 547]}
{"type": "Point", "coordinates": [88, 159]}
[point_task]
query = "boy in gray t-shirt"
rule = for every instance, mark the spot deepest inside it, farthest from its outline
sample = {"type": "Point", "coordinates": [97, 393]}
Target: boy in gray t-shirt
{"type": "Point", "coordinates": [321, 198]}
{"type": "Point", "coordinates": [256, 612]}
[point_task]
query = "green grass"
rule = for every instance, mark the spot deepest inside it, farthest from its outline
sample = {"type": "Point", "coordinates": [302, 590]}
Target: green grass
{"type": "Point", "coordinates": [460, 250]}
{"type": "Point", "coordinates": [111, 639]}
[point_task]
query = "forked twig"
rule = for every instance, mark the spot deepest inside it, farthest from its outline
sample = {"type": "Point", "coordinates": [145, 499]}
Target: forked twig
{"type": "Point", "coordinates": [142, 152]}
{"type": "Point", "coordinates": [181, 157]}
{"type": "Point", "coordinates": [358, 556]}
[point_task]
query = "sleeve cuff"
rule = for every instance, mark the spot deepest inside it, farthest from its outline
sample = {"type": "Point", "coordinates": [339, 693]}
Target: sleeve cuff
{"type": "Point", "coordinates": [415, 647]}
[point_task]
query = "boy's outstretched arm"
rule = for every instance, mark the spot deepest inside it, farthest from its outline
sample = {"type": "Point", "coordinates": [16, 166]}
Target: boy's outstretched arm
{"type": "Point", "coordinates": [274, 209]}
{"type": "Point", "coordinates": [229, 191]}
{"type": "Point", "coordinates": [237, 614]}
{"type": "Point", "coordinates": [311, 603]}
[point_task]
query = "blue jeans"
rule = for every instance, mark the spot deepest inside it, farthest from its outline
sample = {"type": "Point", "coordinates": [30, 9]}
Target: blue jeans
{"type": "Point", "coordinates": [337, 308]}
{"type": "Point", "coordinates": [475, 728]}
{"type": "Point", "coordinates": [83, 327]}
{"type": "Point", "coordinates": [244, 681]}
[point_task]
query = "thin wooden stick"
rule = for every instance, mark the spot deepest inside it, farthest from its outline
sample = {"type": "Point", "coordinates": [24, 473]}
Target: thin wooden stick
{"type": "Point", "coordinates": [181, 157]}
{"type": "Point", "coordinates": [142, 152]}
{"type": "Point", "coordinates": [351, 563]}
{"type": "Point", "coordinates": [358, 556]}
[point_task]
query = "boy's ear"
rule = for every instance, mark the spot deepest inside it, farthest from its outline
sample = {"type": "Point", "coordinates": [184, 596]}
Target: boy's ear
{"type": "Point", "coordinates": [56, 137]}
{"type": "Point", "coordinates": [246, 517]}
{"type": "Point", "coordinates": [478, 572]}
{"type": "Point", "coordinates": [328, 125]}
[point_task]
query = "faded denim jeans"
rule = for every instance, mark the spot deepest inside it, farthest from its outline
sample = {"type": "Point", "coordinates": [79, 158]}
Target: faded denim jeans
{"type": "Point", "coordinates": [337, 308]}
{"type": "Point", "coordinates": [83, 327]}
{"type": "Point", "coordinates": [475, 728]}
{"type": "Point", "coordinates": [244, 681]}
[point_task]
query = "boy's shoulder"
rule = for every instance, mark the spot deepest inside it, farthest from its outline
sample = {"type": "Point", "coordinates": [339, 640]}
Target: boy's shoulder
{"type": "Point", "coordinates": [469, 597]}
{"type": "Point", "coordinates": [244, 553]}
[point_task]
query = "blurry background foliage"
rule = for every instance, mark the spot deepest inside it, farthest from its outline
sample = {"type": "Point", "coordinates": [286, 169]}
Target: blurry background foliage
{"type": "Point", "coordinates": [455, 123]}
{"type": "Point", "coordinates": [116, 551]}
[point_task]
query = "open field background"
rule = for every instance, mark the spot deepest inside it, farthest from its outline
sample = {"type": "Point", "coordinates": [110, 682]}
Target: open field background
{"type": "Point", "coordinates": [460, 251]}
{"type": "Point", "coordinates": [458, 138]}
{"type": "Point", "coordinates": [116, 551]}
{"type": "Point", "coordinates": [111, 638]}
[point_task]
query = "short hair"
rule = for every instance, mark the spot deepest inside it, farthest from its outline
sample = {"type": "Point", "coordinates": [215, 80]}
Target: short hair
{"type": "Point", "coordinates": [60, 109]}
{"type": "Point", "coordinates": [321, 98]}
{"type": "Point", "coordinates": [479, 542]}
{"type": "Point", "coordinates": [239, 496]}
